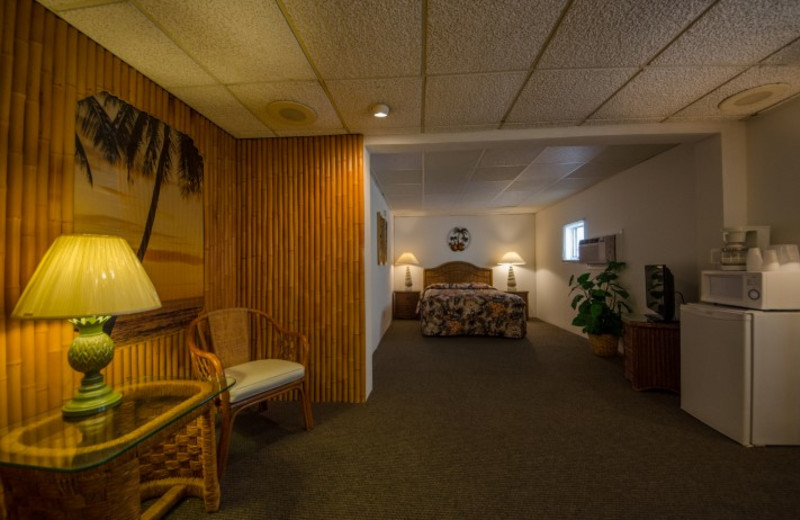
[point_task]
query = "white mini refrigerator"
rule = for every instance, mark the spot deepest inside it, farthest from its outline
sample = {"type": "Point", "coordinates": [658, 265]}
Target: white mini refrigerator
{"type": "Point", "coordinates": [740, 372]}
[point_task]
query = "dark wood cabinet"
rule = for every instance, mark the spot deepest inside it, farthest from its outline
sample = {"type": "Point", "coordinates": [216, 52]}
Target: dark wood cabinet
{"type": "Point", "coordinates": [652, 353]}
{"type": "Point", "coordinates": [405, 305]}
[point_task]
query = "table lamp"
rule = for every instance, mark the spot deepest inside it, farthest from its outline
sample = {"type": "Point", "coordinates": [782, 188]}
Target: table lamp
{"type": "Point", "coordinates": [407, 259]}
{"type": "Point", "coordinates": [511, 259]}
{"type": "Point", "coordinates": [86, 279]}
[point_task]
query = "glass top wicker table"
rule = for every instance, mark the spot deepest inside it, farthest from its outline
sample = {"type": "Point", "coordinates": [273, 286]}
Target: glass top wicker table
{"type": "Point", "coordinates": [159, 442]}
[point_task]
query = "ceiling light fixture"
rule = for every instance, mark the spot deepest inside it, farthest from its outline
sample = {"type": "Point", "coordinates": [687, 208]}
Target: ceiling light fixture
{"type": "Point", "coordinates": [379, 110]}
{"type": "Point", "coordinates": [753, 99]}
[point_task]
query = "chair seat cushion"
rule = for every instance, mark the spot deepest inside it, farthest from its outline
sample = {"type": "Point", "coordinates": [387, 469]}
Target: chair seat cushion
{"type": "Point", "coordinates": [255, 377]}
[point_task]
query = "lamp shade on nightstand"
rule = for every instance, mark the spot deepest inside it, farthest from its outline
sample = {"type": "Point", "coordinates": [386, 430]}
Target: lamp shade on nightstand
{"type": "Point", "coordinates": [511, 259]}
{"type": "Point", "coordinates": [407, 259]}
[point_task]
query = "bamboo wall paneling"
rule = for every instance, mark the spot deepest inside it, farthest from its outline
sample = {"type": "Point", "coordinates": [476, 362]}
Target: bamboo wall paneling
{"type": "Point", "coordinates": [280, 228]}
{"type": "Point", "coordinates": [6, 73]}
{"type": "Point", "coordinates": [14, 335]}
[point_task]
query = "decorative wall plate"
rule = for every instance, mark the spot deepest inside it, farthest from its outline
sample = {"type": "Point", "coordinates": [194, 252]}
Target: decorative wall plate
{"type": "Point", "coordinates": [458, 239]}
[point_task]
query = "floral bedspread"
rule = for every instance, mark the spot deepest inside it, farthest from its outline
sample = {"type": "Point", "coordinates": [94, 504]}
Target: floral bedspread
{"type": "Point", "coordinates": [475, 309]}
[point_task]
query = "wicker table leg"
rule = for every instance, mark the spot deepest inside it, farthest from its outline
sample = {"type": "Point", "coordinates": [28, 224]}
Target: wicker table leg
{"type": "Point", "coordinates": [184, 464]}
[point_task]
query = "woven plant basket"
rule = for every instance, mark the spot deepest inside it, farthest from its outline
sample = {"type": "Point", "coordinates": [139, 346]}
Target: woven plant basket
{"type": "Point", "coordinates": [604, 345]}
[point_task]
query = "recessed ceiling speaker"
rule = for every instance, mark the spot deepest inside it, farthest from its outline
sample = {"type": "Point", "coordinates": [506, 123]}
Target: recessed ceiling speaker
{"type": "Point", "coordinates": [291, 113]}
{"type": "Point", "coordinates": [753, 99]}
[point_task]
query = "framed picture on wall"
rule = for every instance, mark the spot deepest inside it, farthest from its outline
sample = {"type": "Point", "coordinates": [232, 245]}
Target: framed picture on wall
{"type": "Point", "coordinates": [383, 229]}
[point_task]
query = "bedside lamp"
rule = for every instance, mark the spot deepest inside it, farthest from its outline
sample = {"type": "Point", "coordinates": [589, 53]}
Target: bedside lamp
{"type": "Point", "coordinates": [511, 259]}
{"type": "Point", "coordinates": [86, 279]}
{"type": "Point", "coordinates": [407, 259]}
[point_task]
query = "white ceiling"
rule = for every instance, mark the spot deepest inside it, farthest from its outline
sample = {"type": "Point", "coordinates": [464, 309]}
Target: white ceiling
{"type": "Point", "coordinates": [449, 66]}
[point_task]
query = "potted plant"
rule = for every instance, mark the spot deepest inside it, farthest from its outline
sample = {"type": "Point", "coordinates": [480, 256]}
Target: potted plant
{"type": "Point", "coordinates": [599, 303]}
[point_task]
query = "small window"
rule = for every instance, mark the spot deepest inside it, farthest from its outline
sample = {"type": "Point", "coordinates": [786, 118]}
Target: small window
{"type": "Point", "coordinates": [573, 234]}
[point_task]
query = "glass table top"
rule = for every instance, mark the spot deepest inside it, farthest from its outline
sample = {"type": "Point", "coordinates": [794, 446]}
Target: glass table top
{"type": "Point", "coordinates": [48, 441]}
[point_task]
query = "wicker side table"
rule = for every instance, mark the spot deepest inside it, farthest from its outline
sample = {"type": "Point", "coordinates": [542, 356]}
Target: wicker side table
{"type": "Point", "coordinates": [159, 441]}
{"type": "Point", "coordinates": [652, 353]}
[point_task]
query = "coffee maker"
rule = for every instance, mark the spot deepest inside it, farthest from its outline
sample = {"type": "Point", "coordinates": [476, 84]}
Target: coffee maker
{"type": "Point", "coordinates": [738, 240]}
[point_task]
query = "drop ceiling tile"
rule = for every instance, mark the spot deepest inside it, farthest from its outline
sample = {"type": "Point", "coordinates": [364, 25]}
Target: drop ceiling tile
{"type": "Point", "coordinates": [396, 161]}
{"type": "Point", "coordinates": [759, 27]}
{"type": "Point", "coordinates": [256, 97]}
{"type": "Point", "coordinates": [245, 41]}
{"type": "Point", "coordinates": [389, 177]}
{"type": "Point", "coordinates": [497, 173]}
{"type": "Point", "coordinates": [540, 124]}
{"type": "Point", "coordinates": [462, 162]}
{"type": "Point", "coordinates": [574, 185]}
{"type": "Point", "coordinates": [568, 154]}
{"type": "Point", "coordinates": [441, 200]}
{"type": "Point", "coordinates": [406, 204]}
{"type": "Point", "coordinates": [438, 187]}
{"type": "Point", "coordinates": [789, 55]}
{"type": "Point", "coordinates": [510, 199]}
{"type": "Point", "coordinates": [756, 76]}
{"type": "Point", "coordinates": [483, 190]}
{"type": "Point", "coordinates": [478, 36]}
{"type": "Point", "coordinates": [510, 154]}
{"type": "Point", "coordinates": [548, 172]}
{"type": "Point", "coordinates": [404, 191]}
{"type": "Point", "coordinates": [598, 121]}
{"type": "Point", "coordinates": [126, 32]}
{"type": "Point", "coordinates": [364, 39]}
{"type": "Point", "coordinates": [355, 97]}
{"type": "Point", "coordinates": [218, 105]}
{"type": "Point", "coordinates": [566, 95]}
{"type": "Point", "coordinates": [451, 129]}
{"type": "Point", "coordinates": [592, 170]}
{"type": "Point", "coordinates": [60, 5]}
{"type": "Point", "coordinates": [529, 186]}
{"type": "Point", "coordinates": [626, 155]}
{"type": "Point", "coordinates": [645, 96]}
{"type": "Point", "coordinates": [621, 33]}
{"type": "Point", "coordinates": [473, 99]}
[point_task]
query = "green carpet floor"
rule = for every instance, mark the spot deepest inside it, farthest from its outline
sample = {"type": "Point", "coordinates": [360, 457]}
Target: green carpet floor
{"type": "Point", "coordinates": [479, 428]}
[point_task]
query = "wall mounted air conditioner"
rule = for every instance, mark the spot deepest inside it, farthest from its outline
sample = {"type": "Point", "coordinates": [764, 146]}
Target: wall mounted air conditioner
{"type": "Point", "coordinates": [600, 250]}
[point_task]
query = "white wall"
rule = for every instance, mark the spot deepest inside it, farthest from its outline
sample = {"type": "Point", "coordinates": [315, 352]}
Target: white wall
{"type": "Point", "coordinates": [491, 237]}
{"type": "Point", "coordinates": [773, 161]}
{"type": "Point", "coordinates": [377, 278]}
{"type": "Point", "coordinates": [652, 208]}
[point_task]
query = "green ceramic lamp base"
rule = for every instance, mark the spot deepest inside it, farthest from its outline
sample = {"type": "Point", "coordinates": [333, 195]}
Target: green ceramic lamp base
{"type": "Point", "coordinates": [92, 397]}
{"type": "Point", "coordinates": [89, 353]}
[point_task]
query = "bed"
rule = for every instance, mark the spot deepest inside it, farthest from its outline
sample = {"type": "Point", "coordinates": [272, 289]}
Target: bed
{"type": "Point", "coordinates": [459, 300]}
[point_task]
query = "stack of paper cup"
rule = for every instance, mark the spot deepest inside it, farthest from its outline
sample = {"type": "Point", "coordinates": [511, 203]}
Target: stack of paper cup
{"type": "Point", "coordinates": [754, 260]}
{"type": "Point", "coordinates": [788, 257]}
{"type": "Point", "coordinates": [770, 260]}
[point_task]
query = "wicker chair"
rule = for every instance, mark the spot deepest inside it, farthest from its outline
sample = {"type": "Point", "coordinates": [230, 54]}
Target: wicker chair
{"type": "Point", "coordinates": [265, 359]}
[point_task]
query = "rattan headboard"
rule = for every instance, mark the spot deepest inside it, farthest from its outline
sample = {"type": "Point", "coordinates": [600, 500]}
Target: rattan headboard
{"type": "Point", "coordinates": [456, 272]}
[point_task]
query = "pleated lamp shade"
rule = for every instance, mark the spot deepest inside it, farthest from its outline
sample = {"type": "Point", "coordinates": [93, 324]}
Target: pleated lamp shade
{"type": "Point", "coordinates": [87, 275]}
{"type": "Point", "coordinates": [511, 258]}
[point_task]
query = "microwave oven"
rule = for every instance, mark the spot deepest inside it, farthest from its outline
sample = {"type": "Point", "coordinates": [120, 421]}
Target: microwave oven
{"type": "Point", "coordinates": [767, 290]}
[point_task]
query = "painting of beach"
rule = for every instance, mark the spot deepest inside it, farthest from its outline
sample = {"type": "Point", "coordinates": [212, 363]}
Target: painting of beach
{"type": "Point", "coordinates": [140, 179]}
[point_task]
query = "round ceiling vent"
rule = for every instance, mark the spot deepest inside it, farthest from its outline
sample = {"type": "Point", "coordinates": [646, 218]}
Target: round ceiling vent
{"type": "Point", "coordinates": [753, 99]}
{"type": "Point", "coordinates": [291, 113]}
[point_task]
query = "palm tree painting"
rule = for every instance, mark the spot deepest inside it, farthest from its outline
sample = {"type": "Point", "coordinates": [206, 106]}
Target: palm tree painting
{"type": "Point", "coordinates": [138, 178]}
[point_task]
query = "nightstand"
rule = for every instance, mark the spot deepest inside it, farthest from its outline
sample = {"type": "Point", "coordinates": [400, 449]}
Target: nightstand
{"type": "Point", "coordinates": [524, 296]}
{"type": "Point", "coordinates": [405, 305]}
